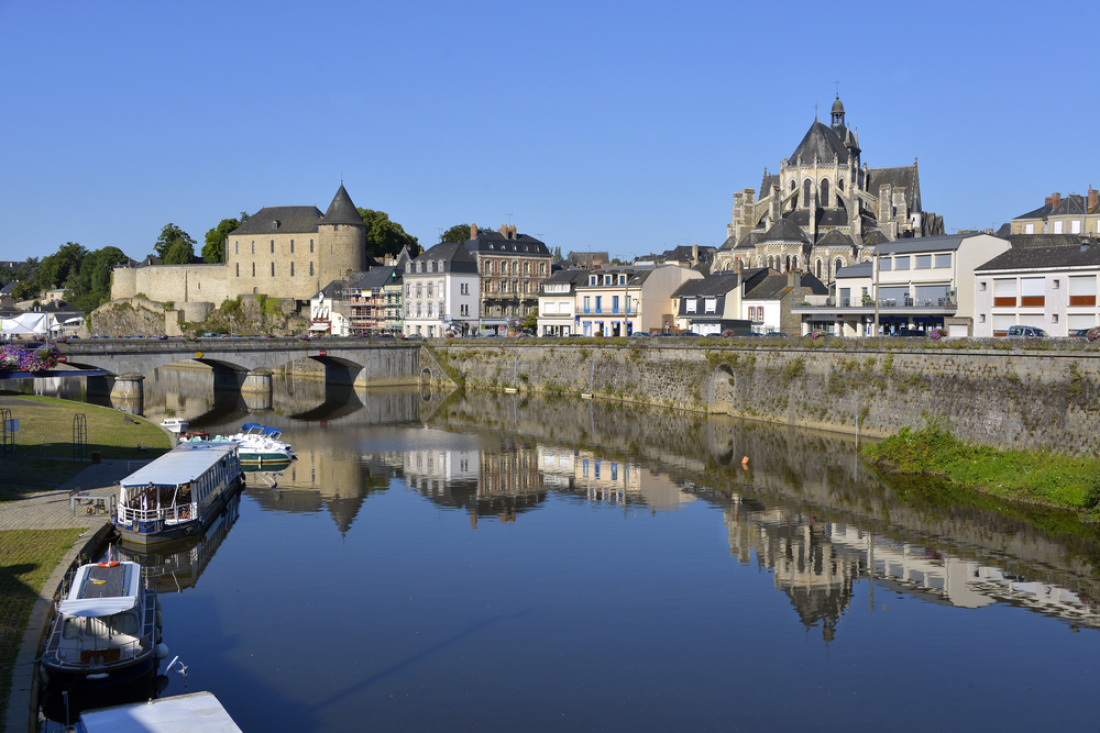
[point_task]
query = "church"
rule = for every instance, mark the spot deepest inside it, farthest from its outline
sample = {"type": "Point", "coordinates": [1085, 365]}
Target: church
{"type": "Point", "coordinates": [825, 208]}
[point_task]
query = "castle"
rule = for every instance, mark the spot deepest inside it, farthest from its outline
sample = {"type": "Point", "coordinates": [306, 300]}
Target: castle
{"type": "Point", "coordinates": [281, 252]}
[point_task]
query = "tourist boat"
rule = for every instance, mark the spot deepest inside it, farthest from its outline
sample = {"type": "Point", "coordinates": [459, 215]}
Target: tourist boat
{"type": "Point", "coordinates": [174, 424]}
{"type": "Point", "coordinates": [106, 629]}
{"type": "Point", "coordinates": [178, 494]}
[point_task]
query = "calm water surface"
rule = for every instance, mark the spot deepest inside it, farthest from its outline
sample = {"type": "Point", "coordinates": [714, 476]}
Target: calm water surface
{"type": "Point", "coordinates": [492, 563]}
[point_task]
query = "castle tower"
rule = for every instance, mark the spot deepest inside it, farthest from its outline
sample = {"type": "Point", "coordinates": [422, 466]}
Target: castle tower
{"type": "Point", "coordinates": [342, 237]}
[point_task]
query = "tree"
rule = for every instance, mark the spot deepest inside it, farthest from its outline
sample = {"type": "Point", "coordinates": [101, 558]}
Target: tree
{"type": "Point", "coordinates": [56, 268]}
{"type": "Point", "coordinates": [385, 237]}
{"type": "Point", "coordinates": [174, 246]}
{"type": "Point", "coordinates": [91, 286]}
{"type": "Point", "coordinates": [459, 233]}
{"type": "Point", "coordinates": [531, 321]}
{"type": "Point", "coordinates": [214, 249]}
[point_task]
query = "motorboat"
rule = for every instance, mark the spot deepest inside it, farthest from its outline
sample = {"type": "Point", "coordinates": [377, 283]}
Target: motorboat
{"type": "Point", "coordinates": [106, 629]}
{"type": "Point", "coordinates": [178, 494]}
{"type": "Point", "coordinates": [260, 445]}
{"type": "Point", "coordinates": [174, 424]}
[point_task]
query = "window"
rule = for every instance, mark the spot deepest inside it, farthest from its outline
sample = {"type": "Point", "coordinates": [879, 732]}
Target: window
{"type": "Point", "coordinates": [236, 248]}
{"type": "Point", "coordinates": [1057, 284]}
{"type": "Point", "coordinates": [311, 249]}
{"type": "Point", "coordinates": [943, 260]}
{"type": "Point", "coordinates": [1082, 290]}
{"type": "Point", "coordinates": [622, 279]}
{"type": "Point", "coordinates": [238, 269]}
{"type": "Point", "coordinates": [253, 248]}
{"type": "Point", "coordinates": [710, 304]}
{"type": "Point", "coordinates": [901, 263]}
{"type": "Point", "coordinates": [586, 308]}
{"type": "Point", "coordinates": [825, 202]}
{"type": "Point", "coordinates": [292, 246]}
{"type": "Point", "coordinates": [1029, 228]}
{"type": "Point", "coordinates": [253, 269]}
{"type": "Point", "coordinates": [981, 286]}
{"type": "Point", "coordinates": [429, 290]}
{"type": "Point", "coordinates": [1075, 227]}
{"type": "Point", "coordinates": [1004, 292]}
{"type": "Point", "coordinates": [885, 264]}
{"type": "Point", "coordinates": [689, 305]}
{"type": "Point", "coordinates": [599, 304]}
{"type": "Point", "coordinates": [1058, 227]}
{"type": "Point", "coordinates": [1032, 291]}
{"type": "Point", "coordinates": [272, 269]}
{"type": "Point", "coordinates": [292, 269]}
{"type": "Point", "coordinates": [592, 280]}
{"type": "Point", "coordinates": [806, 194]}
{"type": "Point", "coordinates": [923, 262]}
{"type": "Point", "coordinates": [614, 304]}
{"type": "Point", "coordinates": [272, 246]}
{"type": "Point", "coordinates": [311, 269]}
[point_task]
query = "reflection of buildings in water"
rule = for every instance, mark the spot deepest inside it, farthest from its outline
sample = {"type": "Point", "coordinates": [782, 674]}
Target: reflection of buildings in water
{"type": "Point", "coordinates": [501, 483]}
{"type": "Point", "coordinates": [817, 564]}
{"type": "Point", "coordinates": [607, 480]}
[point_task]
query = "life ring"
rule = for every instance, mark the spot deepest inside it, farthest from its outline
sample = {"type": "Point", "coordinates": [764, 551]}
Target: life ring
{"type": "Point", "coordinates": [110, 564]}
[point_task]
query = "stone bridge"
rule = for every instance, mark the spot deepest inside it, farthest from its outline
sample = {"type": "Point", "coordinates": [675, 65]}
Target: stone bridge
{"type": "Point", "coordinates": [247, 364]}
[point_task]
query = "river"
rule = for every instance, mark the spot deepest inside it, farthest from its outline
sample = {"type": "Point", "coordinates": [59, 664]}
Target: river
{"type": "Point", "coordinates": [491, 562]}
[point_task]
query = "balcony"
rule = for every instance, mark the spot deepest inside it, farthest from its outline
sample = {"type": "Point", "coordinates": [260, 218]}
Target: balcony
{"type": "Point", "coordinates": [894, 305]}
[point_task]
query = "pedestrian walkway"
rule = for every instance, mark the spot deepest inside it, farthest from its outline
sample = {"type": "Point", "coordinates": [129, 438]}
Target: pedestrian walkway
{"type": "Point", "coordinates": [52, 510]}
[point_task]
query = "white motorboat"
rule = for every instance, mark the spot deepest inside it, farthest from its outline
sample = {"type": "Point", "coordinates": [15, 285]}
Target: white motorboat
{"type": "Point", "coordinates": [174, 424]}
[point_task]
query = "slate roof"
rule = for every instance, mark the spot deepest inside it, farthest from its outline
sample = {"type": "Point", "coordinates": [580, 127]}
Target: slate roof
{"type": "Point", "coordinates": [635, 276]}
{"type": "Point", "coordinates": [784, 230]}
{"type": "Point", "coordinates": [820, 142]}
{"type": "Point", "coordinates": [1046, 240]}
{"type": "Point", "coordinates": [455, 257]}
{"type": "Point", "coordinates": [1035, 258]}
{"type": "Point", "coordinates": [300, 219]}
{"type": "Point", "coordinates": [904, 177]}
{"type": "Point", "coordinates": [835, 237]}
{"type": "Point", "coordinates": [377, 277]}
{"type": "Point", "coordinates": [775, 287]}
{"type": "Point", "coordinates": [863, 269]}
{"type": "Point", "coordinates": [494, 242]}
{"type": "Point", "coordinates": [573, 276]}
{"type": "Point", "coordinates": [712, 285]}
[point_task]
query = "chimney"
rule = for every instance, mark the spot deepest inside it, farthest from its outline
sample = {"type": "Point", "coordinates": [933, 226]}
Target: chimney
{"type": "Point", "coordinates": [694, 255]}
{"type": "Point", "coordinates": [1047, 200]}
{"type": "Point", "coordinates": [792, 278]}
{"type": "Point", "coordinates": [503, 230]}
{"type": "Point", "coordinates": [512, 232]}
{"type": "Point", "coordinates": [1055, 200]}
{"type": "Point", "coordinates": [1094, 198]}
{"type": "Point", "coordinates": [473, 231]}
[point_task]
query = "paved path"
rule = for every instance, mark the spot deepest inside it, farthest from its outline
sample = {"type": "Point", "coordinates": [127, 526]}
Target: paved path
{"type": "Point", "coordinates": [51, 510]}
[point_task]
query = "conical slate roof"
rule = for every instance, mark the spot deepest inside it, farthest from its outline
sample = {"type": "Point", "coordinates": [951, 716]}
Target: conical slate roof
{"type": "Point", "coordinates": [342, 210]}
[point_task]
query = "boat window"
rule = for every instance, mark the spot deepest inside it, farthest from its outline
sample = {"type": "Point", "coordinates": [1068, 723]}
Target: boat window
{"type": "Point", "coordinates": [124, 623]}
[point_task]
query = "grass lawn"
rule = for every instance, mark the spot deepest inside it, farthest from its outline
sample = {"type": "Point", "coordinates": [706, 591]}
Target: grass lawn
{"type": "Point", "coordinates": [27, 558]}
{"type": "Point", "coordinates": [46, 429]}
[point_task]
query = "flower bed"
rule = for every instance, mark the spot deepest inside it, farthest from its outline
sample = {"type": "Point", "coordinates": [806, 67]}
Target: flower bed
{"type": "Point", "coordinates": [33, 360]}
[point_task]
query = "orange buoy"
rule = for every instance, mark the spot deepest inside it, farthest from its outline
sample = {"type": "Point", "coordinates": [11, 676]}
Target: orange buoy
{"type": "Point", "coordinates": [745, 461]}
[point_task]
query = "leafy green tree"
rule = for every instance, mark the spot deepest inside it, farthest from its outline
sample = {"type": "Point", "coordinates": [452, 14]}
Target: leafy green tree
{"type": "Point", "coordinates": [385, 237]}
{"type": "Point", "coordinates": [531, 321]}
{"type": "Point", "coordinates": [214, 249]}
{"type": "Point", "coordinates": [56, 268]}
{"type": "Point", "coordinates": [91, 286]}
{"type": "Point", "coordinates": [458, 233]}
{"type": "Point", "coordinates": [174, 246]}
{"type": "Point", "coordinates": [556, 255]}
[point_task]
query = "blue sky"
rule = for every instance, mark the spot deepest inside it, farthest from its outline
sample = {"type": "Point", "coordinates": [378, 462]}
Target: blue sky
{"type": "Point", "coordinates": [624, 127]}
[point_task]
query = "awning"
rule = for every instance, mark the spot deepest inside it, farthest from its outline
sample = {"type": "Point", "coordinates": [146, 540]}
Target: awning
{"type": "Point", "coordinates": [319, 327]}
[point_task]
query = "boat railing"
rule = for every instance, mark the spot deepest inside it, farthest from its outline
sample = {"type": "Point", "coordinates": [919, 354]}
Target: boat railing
{"type": "Point", "coordinates": [169, 515]}
{"type": "Point", "coordinates": [110, 652]}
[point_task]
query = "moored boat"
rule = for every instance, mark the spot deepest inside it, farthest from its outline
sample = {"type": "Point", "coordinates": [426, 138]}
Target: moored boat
{"type": "Point", "coordinates": [260, 445]}
{"type": "Point", "coordinates": [106, 629]}
{"type": "Point", "coordinates": [178, 494]}
{"type": "Point", "coordinates": [174, 424]}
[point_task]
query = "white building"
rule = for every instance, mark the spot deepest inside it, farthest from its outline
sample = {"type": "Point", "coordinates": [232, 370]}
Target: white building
{"type": "Point", "coordinates": [441, 292]}
{"type": "Point", "coordinates": [920, 283]}
{"type": "Point", "coordinates": [1052, 288]}
{"type": "Point", "coordinates": [557, 302]}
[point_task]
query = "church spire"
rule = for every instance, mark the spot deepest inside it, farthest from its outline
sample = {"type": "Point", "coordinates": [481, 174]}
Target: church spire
{"type": "Point", "coordinates": [838, 113]}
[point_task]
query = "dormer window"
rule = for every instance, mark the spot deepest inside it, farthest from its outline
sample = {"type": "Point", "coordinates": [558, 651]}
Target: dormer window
{"type": "Point", "coordinates": [275, 224]}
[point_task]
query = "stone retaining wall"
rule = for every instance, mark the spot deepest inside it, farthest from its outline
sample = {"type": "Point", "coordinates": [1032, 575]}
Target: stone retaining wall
{"type": "Point", "coordinates": [998, 397]}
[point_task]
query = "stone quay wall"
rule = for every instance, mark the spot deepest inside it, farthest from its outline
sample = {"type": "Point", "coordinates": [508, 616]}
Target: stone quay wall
{"type": "Point", "coordinates": [998, 395]}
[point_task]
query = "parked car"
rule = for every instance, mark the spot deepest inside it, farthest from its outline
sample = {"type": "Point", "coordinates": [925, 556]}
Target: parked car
{"type": "Point", "coordinates": [909, 332]}
{"type": "Point", "coordinates": [1026, 332]}
{"type": "Point", "coordinates": [1082, 333]}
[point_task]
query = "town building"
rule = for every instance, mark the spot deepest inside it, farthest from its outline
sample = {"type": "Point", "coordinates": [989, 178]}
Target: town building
{"type": "Point", "coordinates": [617, 301]}
{"type": "Point", "coordinates": [1074, 214]}
{"type": "Point", "coordinates": [825, 207]}
{"type": "Point", "coordinates": [909, 284]}
{"type": "Point", "coordinates": [442, 292]}
{"type": "Point", "coordinates": [767, 302]}
{"type": "Point", "coordinates": [557, 302]}
{"type": "Point", "coordinates": [1052, 288]}
{"type": "Point", "coordinates": [512, 267]}
{"type": "Point", "coordinates": [374, 308]}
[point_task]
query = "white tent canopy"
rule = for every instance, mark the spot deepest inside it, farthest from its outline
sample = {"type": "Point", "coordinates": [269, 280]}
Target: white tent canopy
{"type": "Point", "coordinates": [27, 324]}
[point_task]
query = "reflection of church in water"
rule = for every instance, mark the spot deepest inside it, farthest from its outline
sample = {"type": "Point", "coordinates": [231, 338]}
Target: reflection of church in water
{"type": "Point", "coordinates": [817, 565]}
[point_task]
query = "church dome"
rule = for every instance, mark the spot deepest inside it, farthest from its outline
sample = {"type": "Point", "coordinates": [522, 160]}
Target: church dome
{"type": "Point", "coordinates": [838, 107]}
